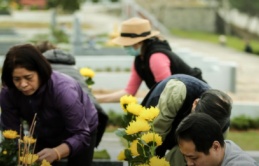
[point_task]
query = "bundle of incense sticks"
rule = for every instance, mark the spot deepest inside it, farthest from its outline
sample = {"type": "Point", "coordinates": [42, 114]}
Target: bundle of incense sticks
{"type": "Point", "coordinates": [25, 148]}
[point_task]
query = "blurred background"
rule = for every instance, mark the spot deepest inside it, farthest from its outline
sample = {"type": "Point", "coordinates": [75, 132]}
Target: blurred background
{"type": "Point", "coordinates": [230, 22]}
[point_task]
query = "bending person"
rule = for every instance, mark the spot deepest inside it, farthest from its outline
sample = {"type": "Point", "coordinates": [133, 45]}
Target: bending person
{"type": "Point", "coordinates": [178, 96]}
{"type": "Point", "coordinates": [65, 63]}
{"type": "Point", "coordinates": [202, 143]}
{"type": "Point", "coordinates": [66, 118]}
{"type": "Point", "coordinates": [153, 58]}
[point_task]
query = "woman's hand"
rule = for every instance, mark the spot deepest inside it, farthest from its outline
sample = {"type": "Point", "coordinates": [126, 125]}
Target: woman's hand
{"type": "Point", "coordinates": [48, 154]}
{"type": "Point", "coordinates": [53, 154]}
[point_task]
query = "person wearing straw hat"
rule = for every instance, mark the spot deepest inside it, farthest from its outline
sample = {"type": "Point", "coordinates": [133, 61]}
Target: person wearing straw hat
{"type": "Point", "coordinates": [154, 59]}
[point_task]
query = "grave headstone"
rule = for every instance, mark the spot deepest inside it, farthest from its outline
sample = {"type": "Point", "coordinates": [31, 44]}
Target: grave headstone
{"type": "Point", "coordinates": [76, 38]}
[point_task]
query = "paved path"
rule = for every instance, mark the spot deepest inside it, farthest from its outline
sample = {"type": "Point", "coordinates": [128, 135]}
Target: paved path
{"type": "Point", "coordinates": [247, 85]}
{"type": "Point", "coordinates": [112, 143]}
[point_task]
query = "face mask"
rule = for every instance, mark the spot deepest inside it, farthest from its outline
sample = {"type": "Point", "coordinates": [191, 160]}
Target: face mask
{"type": "Point", "coordinates": [132, 51]}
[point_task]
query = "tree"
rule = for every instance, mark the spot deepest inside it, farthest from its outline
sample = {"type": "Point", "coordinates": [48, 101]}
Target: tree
{"type": "Point", "coordinates": [66, 5]}
{"type": "Point", "coordinates": [250, 7]}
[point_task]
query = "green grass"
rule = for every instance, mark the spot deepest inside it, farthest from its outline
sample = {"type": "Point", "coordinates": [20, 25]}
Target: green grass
{"type": "Point", "coordinates": [101, 154]}
{"type": "Point", "coordinates": [247, 140]}
{"type": "Point", "coordinates": [232, 41]}
{"type": "Point", "coordinates": [12, 24]}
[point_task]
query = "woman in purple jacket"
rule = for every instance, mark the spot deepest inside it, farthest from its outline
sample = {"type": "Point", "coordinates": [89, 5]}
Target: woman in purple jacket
{"type": "Point", "coordinates": [66, 118]}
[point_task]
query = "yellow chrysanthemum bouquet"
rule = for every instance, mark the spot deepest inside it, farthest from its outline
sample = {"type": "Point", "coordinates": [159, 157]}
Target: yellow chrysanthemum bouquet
{"type": "Point", "coordinates": [138, 132]}
{"type": "Point", "coordinates": [8, 148]}
{"type": "Point", "coordinates": [88, 74]}
{"type": "Point", "coordinates": [17, 151]}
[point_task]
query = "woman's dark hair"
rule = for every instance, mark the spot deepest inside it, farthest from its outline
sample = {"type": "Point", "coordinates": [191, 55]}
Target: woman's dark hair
{"type": "Point", "coordinates": [218, 105]}
{"type": "Point", "coordinates": [202, 130]}
{"type": "Point", "coordinates": [28, 57]}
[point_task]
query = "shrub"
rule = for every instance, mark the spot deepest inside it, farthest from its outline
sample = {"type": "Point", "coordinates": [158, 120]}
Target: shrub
{"type": "Point", "coordinates": [59, 35]}
{"type": "Point", "coordinates": [108, 69]}
{"type": "Point", "coordinates": [244, 122]}
{"type": "Point", "coordinates": [115, 119]}
{"type": "Point", "coordinates": [254, 123]}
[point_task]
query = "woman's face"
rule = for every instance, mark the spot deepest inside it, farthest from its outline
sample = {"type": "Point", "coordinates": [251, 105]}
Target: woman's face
{"type": "Point", "coordinates": [137, 46]}
{"type": "Point", "coordinates": [26, 81]}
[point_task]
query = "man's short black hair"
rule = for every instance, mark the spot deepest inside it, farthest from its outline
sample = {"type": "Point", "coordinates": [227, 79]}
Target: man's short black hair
{"type": "Point", "coordinates": [202, 130]}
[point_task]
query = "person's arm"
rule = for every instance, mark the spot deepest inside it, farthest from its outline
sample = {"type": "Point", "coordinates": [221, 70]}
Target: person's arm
{"type": "Point", "coordinates": [111, 97]}
{"type": "Point", "coordinates": [131, 89]}
{"type": "Point", "coordinates": [160, 66]}
{"type": "Point", "coordinates": [169, 104]}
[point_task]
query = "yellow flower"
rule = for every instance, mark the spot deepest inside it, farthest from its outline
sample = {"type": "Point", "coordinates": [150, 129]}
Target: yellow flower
{"type": "Point", "coordinates": [137, 126]}
{"type": "Point", "coordinates": [134, 108]}
{"type": "Point", "coordinates": [149, 113]}
{"type": "Point", "coordinates": [121, 156]}
{"type": "Point", "coordinates": [127, 99]}
{"type": "Point", "coordinates": [4, 152]}
{"type": "Point", "coordinates": [133, 148]}
{"type": "Point", "coordinates": [152, 137]}
{"type": "Point", "coordinates": [155, 161]}
{"type": "Point", "coordinates": [10, 134]}
{"type": "Point", "coordinates": [87, 72]}
{"type": "Point", "coordinates": [29, 140]}
{"type": "Point", "coordinates": [143, 165]}
{"type": "Point", "coordinates": [29, 158]}
{"type": "Point", "coordinates": [45, 163]}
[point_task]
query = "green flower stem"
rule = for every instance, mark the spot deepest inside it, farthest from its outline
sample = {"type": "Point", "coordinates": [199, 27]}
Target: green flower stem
{"type": "Point", "coordinates": [128, 143]}
{"type": "Point", "coordinates": [153, 147]}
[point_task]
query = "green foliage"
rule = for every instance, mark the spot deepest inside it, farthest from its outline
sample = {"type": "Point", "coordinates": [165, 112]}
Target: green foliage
{"type": "Point", "coordinates": [232, 41]}
{"type": "Point", "coordinates": [250, 7]}
{"type": "Point", "coordinates": [8, 152]}
{"type": "Point", "coordinates": [115, 119]}
{"type": "Point", "coordinates": [127, 69]}
{"type": "Point", "coordinates": [89, 81]}
{"type": "Point", "coordinates": [56, 36]}
{"type": "Point", "coordinates": [117, 69]}
{"type": "Point", "coordinates": [108, 69]}
{"type": "Point", "coordinates": [66, 5]}
{"type": "Point", "coordinates": [101, 154]}
{"type": "Point", "coordinates": [254, 123]}
{"type": "Point", "coordinates": [4, 9]}
{"type": "Point", "coordinates": [243, 122]}
{"type": "Point", "coordinates": [59, 36]}
{"type": "Point", "coordinates": [95, 1]}
{"type": "Point", "coordinates": [39, 37]}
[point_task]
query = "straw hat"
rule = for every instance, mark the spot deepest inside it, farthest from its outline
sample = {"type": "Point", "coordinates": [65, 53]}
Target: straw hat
{"type": "Point", "coordinates": [134, 30]}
